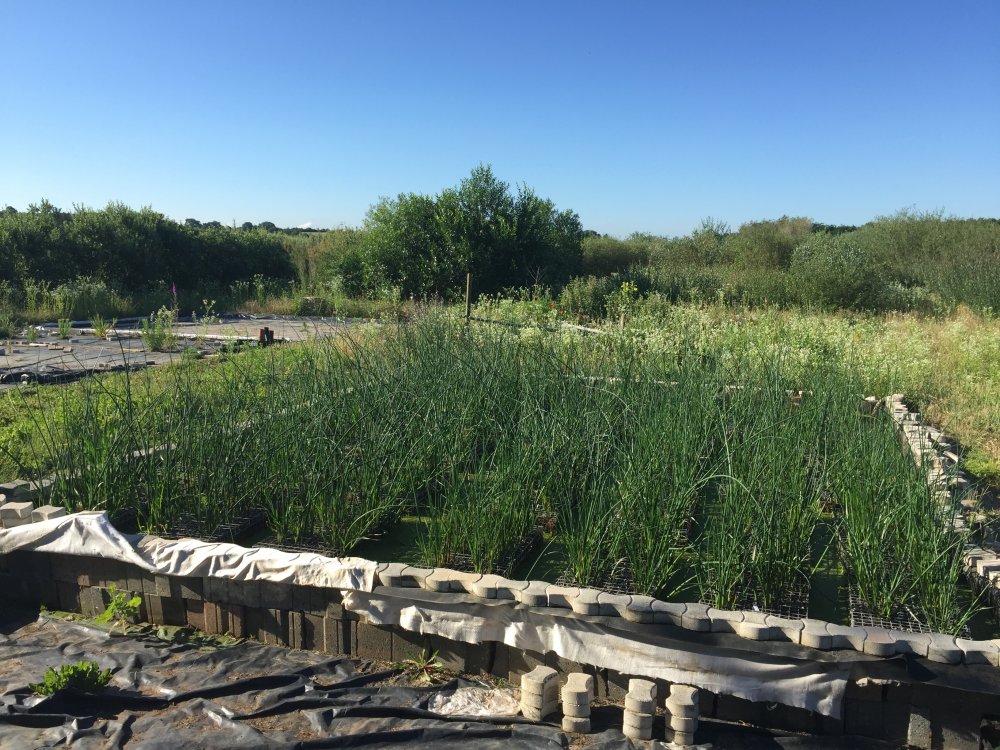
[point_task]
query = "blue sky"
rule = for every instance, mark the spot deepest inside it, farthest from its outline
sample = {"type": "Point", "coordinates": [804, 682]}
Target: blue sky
{"type": "Point", "coordinates": [639, 116]}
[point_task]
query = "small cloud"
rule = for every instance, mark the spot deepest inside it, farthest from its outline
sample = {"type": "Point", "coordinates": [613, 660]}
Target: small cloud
{"type": "Point", "coordinates": [307, 225]}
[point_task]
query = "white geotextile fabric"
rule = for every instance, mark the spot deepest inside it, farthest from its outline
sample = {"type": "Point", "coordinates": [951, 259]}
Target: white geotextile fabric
{"type": "Point", "coordinates": [93, 535]}
{"type": "Point", "coordinates": [816, 686]}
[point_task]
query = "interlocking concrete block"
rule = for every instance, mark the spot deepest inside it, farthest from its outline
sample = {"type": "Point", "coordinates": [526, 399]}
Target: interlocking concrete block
{"type": "Point", "coordinates": [979, 652]}
{"type": "Point", "coordinates": [681, 739]}
{"type": "Point", "coordinates": [637, 726]}
{"type": "Point", "coordinates": [535, 594]}
{"type": "Point", "coordinates": [464, 583]}
{"type": "Point", "coordinates": [390, 574]}
{"type": "Point", "coordinates": [755, 627]}
{"type": "Point", "coordinates": [681, 710]}
{"type": "Point", "coordinates": [576, 725]}
{"type": "Point", "coordinates": [586, 602]}
{"type": "Point", "coordinates": [507, 588]}
{"type": "Point", "coordinates": [879, 642]}
{"type": "Point", "coordinates": [613, 605]}
{"type": "Point", "coordinates": [413, 577]}
{"type": "Point", "coordinates": [579, 688]}
{"type": "Point", "coordinates": [845, 637]}
{"type": "Point", "coordinates": [540, 681]}
{"type": "Point", "coordinates": [671, 613]}
{"type": "Point", "coordinates": [815, 635]}
{"type": "Point", "coordinates": [724, 620]}
{"type": "Point", "coordinates": [562, 596]}
{"type": "Point", "coordinates": [539, 713]}
{"type": "Point", "coordinates": [944, 649]}
{"type": "Point", "coordinates": [640, 609]}
{"type": "Point", "coordinates": [696, 618]}
{"type": "Point", "coordinates": [910, 643]}
{"type": "Point", "coordinates": [486, 586]}
{"type": "Point", "coordinates": [45, 512]}
{"type": "Point", "coordinates": [785, 628]}
{"type": "Point", "coordinates": [642, 692]}
{"type": "Point", "coordinates": [640, 705]}
{"type": "Point", "coordinates": [683, 723]}
{"type": "Point", "coordinates": [684, 695]}
{"type": "Point", "coordinates": [439, 581]}
{"type": "Point", "coordinates": [576, 710]}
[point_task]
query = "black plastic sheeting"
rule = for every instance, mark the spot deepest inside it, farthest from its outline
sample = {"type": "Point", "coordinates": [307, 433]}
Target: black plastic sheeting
{"type": "Point", "coordinates": [167, 695]}
{"type": "Point", "coordinates": [200, 693]}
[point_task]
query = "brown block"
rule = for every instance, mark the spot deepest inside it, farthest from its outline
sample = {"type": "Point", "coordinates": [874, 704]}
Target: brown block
{"type": "Point", "coordinates": [194, 613]}
{"type": "Point", "coordinates": [374, 642]}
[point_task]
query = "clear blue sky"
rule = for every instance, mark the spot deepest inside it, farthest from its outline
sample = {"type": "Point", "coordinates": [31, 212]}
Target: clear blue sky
{"type": "Point", "coordinates": [639, 116]}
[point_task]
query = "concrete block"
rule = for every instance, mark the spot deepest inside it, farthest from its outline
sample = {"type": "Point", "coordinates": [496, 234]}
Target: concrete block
{"type": "Point", "coordinates": [439, 581]}
{"type": "Point", "coordinates": [879, 642]}
{"type": "Point", "coordinates": [576, 725]}
{"type": "Point", "coordinates": [15, 489]}
{"type": "Point", "coordinates": [463, 583]}
{"type": "Point", "coordinates": [410, 646]}
{"type": "Point", "coordinates": [562, 596]}
{"type": "Point", "coordinates": [979, 652]}
{"type": "Point", "coordinates": [45, 512]}
{"type": "Point", "coordinates": [507, 588]}
{"type": "Point", "coordinates": [69, 596]}
{"type": "Point", "coordinates": [845, 637]}
{"type": "Point", "coordinates": [640, 705]}
{"type": "Point", "coordinates": [785, 629]}
{"type": "Point", "coordinates": [637, 726]}
{"type": "Point", "coordinates": [815, 635]}
{"type": "Point", "coordinates": [93, 601]}
{"type": "Point", "coordinates": [684, 695]}
{"type": "Point", "coordinates": [539, 713]}
{"type": "Point", "coordinates": [755, 627]}
{"type": "Point", "coordinates": [724, 620]}
{"type": "Point", "coordinates": [681, 710]}
{"type": "Point", "coordinates": [535, 594]}
{"type": "Point", "coordinates": [478, 657]}
{"type": "Point", "coordinates": [188, 587]}
{"type": "Point", "coordinates": [374, 642]}
{"type": "Point", "coordinates": [944, 649]}
{"type": "Point", "coordinates": [540, 681]}
{"type": "Point", "coordinates": [194, 613]}
{"type": "Point", "coordinates": [453, 655]}
{"type": "Point", "coordinates": [296, 630]}
{"type": "Point", "coordinates": [576, 710]}
{"type": "Point", "coordinates": [910, 643]}
{"type": "Point", "coordinates": [919, 733]}
{"type": "Point", "coordinates": [639, 609]}
{"type": "Point", "coordinates": [696, 618]}
{"type": "Point", "coordinates": [613, 605]}
{"type": "Point", "coordinates": [683, 724]}
{"type": "Point", "coordinates": [486, 586]}
{"type": "Point", "coordinates": [413, 577]}
{"type": "Point", "coordinates": [391, 574]}
{"type": "Point", "coordinates": [642, 690]}
{"type": "Point", "coordinates": [15, 513]}
{"type": "Point", "coordinates": [579, 689]}
{"type": "Point", "coordinates": [244, 593]}
{"type": "Point", "coordinates": [671, 613]}
{"type": "Point", "coordinates": [275, 595]}
{"type": "Point", "coordinates": [681, 739]}
{"type": "Point", "coordinates": [269, 626]}
{"type": "Point", "coordinates": [521, 663]}
{"type": "Point", "coordinates": [586, 602]}
{"type": "Point", "coordinates": [213, 618]}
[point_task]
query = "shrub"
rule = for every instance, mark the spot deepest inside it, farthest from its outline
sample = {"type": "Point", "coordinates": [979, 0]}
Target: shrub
{"type": "Point", "coordinates": [835, 272]}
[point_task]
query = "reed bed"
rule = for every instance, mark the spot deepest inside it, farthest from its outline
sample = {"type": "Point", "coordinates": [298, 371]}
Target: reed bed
{"type": "Point", "coordinates": [691, 471]}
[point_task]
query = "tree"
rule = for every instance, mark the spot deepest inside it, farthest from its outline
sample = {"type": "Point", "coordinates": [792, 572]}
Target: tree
{"type": "Point", "coordinates": [247, 226]}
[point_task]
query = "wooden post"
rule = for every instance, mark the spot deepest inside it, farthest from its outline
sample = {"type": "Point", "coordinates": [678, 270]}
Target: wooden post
{"type": "Point", "coordinates": [468, 298]}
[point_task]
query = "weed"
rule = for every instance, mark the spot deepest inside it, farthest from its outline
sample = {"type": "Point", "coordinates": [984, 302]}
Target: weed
{"type": "Point", "coordinates": [85, 676]}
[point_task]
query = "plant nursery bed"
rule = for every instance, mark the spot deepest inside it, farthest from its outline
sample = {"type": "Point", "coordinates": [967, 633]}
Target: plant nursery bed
{"type": "Point", "coordinates": [507, 564]}
{"type": "Point", "coordinates": [240, 528]}
{"type": "Point", "coordinates": [903, 619]}
{"type": "Point", "coordinates": [311, 543]}
{"type": "Point", "coordinates": [617, 580]}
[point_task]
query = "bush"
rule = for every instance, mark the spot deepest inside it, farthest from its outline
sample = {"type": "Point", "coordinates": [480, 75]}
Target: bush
{"type": "Point", "coordinates": [836, 272]}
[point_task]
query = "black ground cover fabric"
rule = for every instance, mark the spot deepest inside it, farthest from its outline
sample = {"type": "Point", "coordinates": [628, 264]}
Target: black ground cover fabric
{"type": "Point", "coordinates": [167, 695]}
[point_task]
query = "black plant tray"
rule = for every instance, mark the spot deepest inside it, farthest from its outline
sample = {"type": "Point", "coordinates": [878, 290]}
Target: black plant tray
{"type": "Point", "coordinates": [507, 564]}
{"type": "Point", "coordinates": [904, 618]}
{"type": "Point", "coordinates": [239, 528]}
{"type": "Point", "coordinates": [125, 520]}
{"type": "Point", "coordinates": [310, 543]}
{"type": "Point", "coordinates": [617, 579]}
{"type": "Point", "coordinates": [794, 604]}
